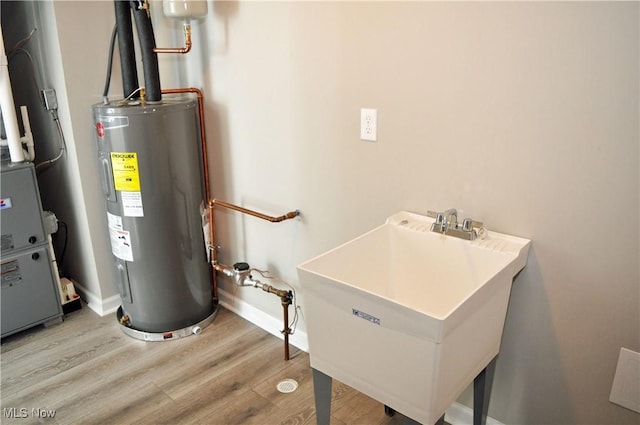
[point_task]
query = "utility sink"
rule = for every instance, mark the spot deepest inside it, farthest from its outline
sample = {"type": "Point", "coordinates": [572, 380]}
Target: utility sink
{"type": "Point", "coordinates": [408, 316]}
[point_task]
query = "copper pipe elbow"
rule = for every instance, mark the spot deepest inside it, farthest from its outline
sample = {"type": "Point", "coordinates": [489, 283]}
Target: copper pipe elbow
{"type": "Point", "coordinates": [183, 50]}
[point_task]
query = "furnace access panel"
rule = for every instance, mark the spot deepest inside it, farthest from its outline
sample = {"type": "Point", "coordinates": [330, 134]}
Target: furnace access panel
{"type": "Point", "coordinates": [29, 294]}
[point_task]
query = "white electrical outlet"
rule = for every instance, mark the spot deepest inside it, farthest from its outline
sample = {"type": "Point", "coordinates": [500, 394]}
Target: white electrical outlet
{"type": "Point", "coordinates": [369, 124]}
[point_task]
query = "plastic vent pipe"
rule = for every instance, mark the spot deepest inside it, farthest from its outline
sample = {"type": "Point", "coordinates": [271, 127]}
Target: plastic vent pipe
{"type": "Point", "coordinates": [7, 106]}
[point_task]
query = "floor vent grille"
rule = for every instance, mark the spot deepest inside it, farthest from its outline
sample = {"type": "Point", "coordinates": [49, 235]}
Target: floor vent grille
{"type": "Point", "coordinates": [287, 386]}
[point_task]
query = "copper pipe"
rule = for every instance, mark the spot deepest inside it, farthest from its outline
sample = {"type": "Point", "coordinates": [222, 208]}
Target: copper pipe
{"type": "Point", "coordinates": [185, 49]}
{"type": "Point", "coordinates": [272, 219]}
{"type": "Point", "coordinates": [205, 166]}
{"type": "Point", "coordinates": [282, 293]}
{"type": "Point", "coordinates": [203, 133]}
{"type": "Point", "coordinates": [287, 330]}
{"type": "Point", "coordinates": [212, 231]}
{"type": "Point", "coordinates": [286, 297]}
{"type": "Point", "coordinates": [214, 260]}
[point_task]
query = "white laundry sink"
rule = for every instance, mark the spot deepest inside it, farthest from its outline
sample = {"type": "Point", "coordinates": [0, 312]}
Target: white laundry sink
{"type": "Point", "coordinates": [409, 316]}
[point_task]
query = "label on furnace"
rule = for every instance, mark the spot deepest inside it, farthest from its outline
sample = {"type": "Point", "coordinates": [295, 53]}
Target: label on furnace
{"type": "Point", "coordinates": [11, 274]}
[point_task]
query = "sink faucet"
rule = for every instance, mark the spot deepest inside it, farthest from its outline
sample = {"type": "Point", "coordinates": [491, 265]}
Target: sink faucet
{"type": "Point", "coordinates": [447, 223]}
{"type": "Point", "coordinates": [449, 219]}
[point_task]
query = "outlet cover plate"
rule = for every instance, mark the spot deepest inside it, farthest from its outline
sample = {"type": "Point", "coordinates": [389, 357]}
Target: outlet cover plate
{"type": "Point", "coordinates": [369, 124]}
{"type": "Point", "coordinates": [626, 383]}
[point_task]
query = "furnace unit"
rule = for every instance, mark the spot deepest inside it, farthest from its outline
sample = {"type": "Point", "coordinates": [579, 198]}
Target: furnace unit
{"type": "Point", "coordinates": [29, 286]}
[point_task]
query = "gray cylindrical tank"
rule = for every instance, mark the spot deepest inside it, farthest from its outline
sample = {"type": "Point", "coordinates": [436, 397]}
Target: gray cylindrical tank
{"type": "Point", "coordinates": [150, 163]}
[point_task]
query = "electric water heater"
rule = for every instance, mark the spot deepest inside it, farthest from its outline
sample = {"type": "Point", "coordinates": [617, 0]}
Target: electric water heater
{"type": "Point", "coordinates": [150, 165]}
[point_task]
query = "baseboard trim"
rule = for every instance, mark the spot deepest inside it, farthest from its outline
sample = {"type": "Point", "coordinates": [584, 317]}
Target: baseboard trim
{"type": "Point", "coordinates": [101, 306]}
{"type": "Point", "coordinates": [271, 324]}
{"type": "Point", "coordinates": [459, 414]}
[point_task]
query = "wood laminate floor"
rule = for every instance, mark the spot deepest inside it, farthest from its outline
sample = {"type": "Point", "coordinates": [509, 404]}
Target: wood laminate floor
{"type": "Point", "coordinates": [86, 371]}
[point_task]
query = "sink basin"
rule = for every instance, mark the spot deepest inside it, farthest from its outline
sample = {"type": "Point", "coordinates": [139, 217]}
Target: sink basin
{"type": "Point", "coordinates": [407, 316]}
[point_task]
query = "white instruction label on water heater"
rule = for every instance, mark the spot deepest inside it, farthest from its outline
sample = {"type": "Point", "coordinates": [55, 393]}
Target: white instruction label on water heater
{"type": "Point", "coordinates": [114, 221]}
{"type": "Point", "coordinates": [120, 238]}
{"type": "Point", "coordinates": [132, 204]}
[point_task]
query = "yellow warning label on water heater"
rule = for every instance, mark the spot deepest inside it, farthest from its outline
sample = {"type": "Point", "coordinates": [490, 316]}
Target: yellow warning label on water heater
{"type": "Point", "coordinates": [125, 171]}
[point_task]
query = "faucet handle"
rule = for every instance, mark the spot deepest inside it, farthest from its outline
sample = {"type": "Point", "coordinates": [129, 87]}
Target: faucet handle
{"type": "Point", "coordinates": [437, 215]}
{"type": "Point", "coordinates": [468, 224]}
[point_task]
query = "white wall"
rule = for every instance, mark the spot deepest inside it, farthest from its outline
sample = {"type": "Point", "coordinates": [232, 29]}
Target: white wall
{"type": "Point", "coordinates": [524, 115]}
{"type": "Point", "coordinates": [84, 29]}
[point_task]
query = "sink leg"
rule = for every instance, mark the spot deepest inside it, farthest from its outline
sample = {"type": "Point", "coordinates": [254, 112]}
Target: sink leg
{"type": "Point", "coordinates": [482, 393]}
{"type": "Point", "coordinates": [389, 411]}
{"type": "Point", "coordinates": [322, 394]}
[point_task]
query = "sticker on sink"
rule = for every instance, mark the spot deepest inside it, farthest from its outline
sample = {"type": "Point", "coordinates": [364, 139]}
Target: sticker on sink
{"type": "Point", "coordinates": [365, 316]}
